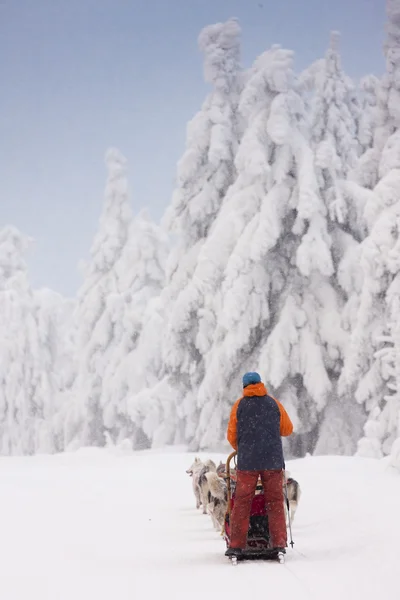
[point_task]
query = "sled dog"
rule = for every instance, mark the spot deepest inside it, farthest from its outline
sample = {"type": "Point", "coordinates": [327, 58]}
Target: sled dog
{"type": "Point", "coordinates": [217, 499]}
{"type": "Point", "coordinates": [197, 471]}
{"type": "Point", "coordinates": [293, 495]}
{"type": "Point", "coordinates": [221, 469]}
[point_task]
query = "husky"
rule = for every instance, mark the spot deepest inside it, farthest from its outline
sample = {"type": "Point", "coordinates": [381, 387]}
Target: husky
{"type": "Point", "coordinates": [209, 467]}
{"type": "Point", "coordinates": [194, 472]}
{"type": "Point", "coordinates": [221, 469]}
{"type": "Point", "coordinates": [217, 499]}
{"type": "Point", "coordinates": [197, 471]}
{"type": "Point", "coordinates": [293, 495]}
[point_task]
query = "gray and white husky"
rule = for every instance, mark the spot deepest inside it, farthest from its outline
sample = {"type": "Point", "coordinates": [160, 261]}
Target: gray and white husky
{"type": "Point", "coordinates": [198, 471]}
{"type": "Point", "coordinates": [217, 499]}
{"type": "Point", "coordinates": [293, 495]}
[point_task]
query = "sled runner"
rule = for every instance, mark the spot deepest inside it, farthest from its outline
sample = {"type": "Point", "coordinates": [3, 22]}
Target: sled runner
{"type": "Point", "coordinates": [258, 537]}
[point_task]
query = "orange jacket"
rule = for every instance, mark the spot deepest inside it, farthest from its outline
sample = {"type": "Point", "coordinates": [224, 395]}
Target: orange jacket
{"type": "Point", "coordinates": [258, 389]}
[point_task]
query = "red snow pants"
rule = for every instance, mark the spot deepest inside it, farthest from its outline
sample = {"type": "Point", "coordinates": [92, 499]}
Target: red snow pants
{"type": "Point", "coordinates": [273, 491]}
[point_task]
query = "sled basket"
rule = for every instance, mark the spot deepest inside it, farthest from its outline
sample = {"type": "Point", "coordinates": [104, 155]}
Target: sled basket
{"type": "Point", "coordinates": [258, 537]}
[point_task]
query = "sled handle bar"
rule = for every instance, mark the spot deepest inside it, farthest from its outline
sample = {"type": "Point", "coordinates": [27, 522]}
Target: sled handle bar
{"type": "Point", "coordinates": [228, 478]}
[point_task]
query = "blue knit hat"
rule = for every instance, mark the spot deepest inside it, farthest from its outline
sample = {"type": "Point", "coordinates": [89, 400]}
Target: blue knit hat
{"type": "Point", "coordinates": [250, 378]}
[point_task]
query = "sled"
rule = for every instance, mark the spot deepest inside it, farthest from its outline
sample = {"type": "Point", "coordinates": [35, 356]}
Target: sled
{"type": "Point", "coordinates": [258, 537]}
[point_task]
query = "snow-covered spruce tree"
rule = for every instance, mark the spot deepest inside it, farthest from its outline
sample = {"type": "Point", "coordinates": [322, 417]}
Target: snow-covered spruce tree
{"type": "Point", "coordinates": [382, 430]}
{"type": "Point", "coordinates": [335, 124]}
{"type": "Point", "coordinates": [276, 291]}
{"type": "Point", "coordinates": [53, 314]}
{"type": "Point", "coordinates": [352, 185]}
{"type": "Point", "coordinates": [379, 118]}
{"type": "Point", "coordinates": [98, 311]}
{"type": "Point", "coordinates": [390, 415]}
{"type": "Point", "coordinates": [365, 369]}
{"type": "Point", "coordinates": [135, 364]}
{"type": "Point", "coordinates": [368, 121]}
{"type": "Point", "coordinates": [363, 372]}
{"type": "Point", "coordinates": [363, 175]}
{"type": "Point", "coordinates": [334, 120]}
{"type": "Point", "coordinates": [229, 324]}
{"type": "Point", "coordinates": [381, 386]}
{"type": "Point", "coordinates": [373, 131]}
{"type": "Point", "coordinates": [27, 386]}
{"type": "Point", "coordinates": [205, 173]}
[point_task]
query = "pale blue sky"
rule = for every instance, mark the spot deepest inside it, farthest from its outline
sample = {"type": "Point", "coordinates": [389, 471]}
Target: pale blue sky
{"type": "Point", "coordinates": [78, 76]}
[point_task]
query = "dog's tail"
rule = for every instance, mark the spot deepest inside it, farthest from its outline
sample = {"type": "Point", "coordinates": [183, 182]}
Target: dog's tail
{"type": "Point", "coordinates": [202, 476]}
{"type": "Point", "coordinates": [216, 485]}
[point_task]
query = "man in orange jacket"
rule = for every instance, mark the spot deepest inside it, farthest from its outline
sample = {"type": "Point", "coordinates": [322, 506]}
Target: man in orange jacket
{"type": "Point", "coordinates": [256, 424]}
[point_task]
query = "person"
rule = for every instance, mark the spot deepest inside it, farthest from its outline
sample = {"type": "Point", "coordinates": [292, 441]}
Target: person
{"type": "Point", "coordinates": [256, 424]}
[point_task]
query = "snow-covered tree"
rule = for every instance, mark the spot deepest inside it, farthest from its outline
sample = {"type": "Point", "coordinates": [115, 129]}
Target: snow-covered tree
{"type": "Point", "coordinates": [27, 381]}
{"type": "Point", "coordinates": [391, 79]}
{"type": "Point", "coordinates": [205, 173]}
{"type": "Point", "coordinates": [136, 363]}
{"type": "Point", "coordinates": [97, 314]}
{"type": "Point", "coordinates": [206, 168]}
{"type": "Point", "coordinates": [53, 314]}
{"type": "Point", "coordinates": [334, 122]}
{"type": "Point", "coordinates": [382, 387]}
{"type": "Point", "coordinates": [370, 367]}
{"type": "Point", "coordinates": [273, 272]}
{"type": "Point", "coordinates": [239, 309]}
{"type": "Point", "coordinates": [276, 292]}
{"type": "Point", "coordinates": [368, 121]}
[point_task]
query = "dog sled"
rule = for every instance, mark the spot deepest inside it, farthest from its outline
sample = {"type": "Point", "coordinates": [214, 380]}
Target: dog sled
{"type": "Point", "coordinates": [258, 537]}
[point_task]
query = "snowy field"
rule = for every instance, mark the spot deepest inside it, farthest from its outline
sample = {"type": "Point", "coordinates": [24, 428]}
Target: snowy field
{"type": "Point", "coordinates": [97, 525]}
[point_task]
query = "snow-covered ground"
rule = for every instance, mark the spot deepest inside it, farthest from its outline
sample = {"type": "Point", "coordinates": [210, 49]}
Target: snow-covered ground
{"type": "Point", "coordinates": [97, 525]}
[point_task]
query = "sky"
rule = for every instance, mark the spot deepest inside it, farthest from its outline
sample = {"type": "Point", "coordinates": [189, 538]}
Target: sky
{"type": "Point", "coordinates": [79, 76]}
